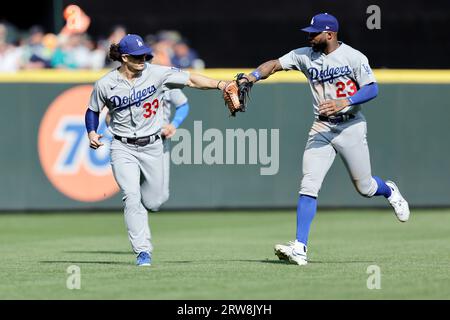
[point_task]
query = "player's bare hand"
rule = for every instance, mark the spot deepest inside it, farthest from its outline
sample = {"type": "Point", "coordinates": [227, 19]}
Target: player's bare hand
{"type": "Point", "coordinates": [330, 107]}
{"type": "Point", "coordinates": [94, 140]}
{"type": "Point", "coordinates": [168, 130]}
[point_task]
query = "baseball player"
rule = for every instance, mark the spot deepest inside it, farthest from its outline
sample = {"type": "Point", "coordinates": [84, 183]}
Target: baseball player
{"type": "Point", "coordinates": [172, 98]}
{"type": "Point", "coordinates": [133, 95]}
{"type": "Point", "coordinates": [341, 80]}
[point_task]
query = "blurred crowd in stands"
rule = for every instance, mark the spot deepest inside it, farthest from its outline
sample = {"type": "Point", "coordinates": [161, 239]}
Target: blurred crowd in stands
{"type": "Point", "coordinates": [38, 49]}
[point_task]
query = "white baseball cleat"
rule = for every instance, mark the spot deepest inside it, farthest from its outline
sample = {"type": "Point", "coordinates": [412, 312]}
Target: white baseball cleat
{"type": "Point", "coordinates": [294, 252]}
{"type": "Point", "coordinates": [399, 203]}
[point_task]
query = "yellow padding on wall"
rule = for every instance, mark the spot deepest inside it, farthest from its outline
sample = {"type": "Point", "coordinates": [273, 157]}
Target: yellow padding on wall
{"type": "Point", "coordinates": [79, 76]}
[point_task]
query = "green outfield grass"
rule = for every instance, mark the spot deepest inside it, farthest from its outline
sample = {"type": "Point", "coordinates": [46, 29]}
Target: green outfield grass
{"type": "Point", "coordinates": [226, 255]}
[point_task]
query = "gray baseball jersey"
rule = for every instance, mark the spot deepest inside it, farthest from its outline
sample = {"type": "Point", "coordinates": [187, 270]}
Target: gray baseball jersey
{"type": "Point", "coordinates": [136, 108]}
{"type": "Point", "coordinates": [337, 75]}
{"type": "Point", "coordinates": [172, 98]}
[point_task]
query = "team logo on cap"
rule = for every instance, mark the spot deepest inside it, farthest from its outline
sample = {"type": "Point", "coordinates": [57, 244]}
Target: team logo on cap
{"type": "Point", "coordinates": [73, 168]}
{"type": "Point", "coordinates": [312, 21]}
{"type": "Point", "coordinates": [140, 44]}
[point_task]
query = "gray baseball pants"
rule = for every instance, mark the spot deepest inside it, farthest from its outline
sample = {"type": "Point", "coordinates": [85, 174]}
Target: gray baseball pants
{"type": "Point", "coordinates": [348, 139]}
{"type": "Point", "coordinates": [166, 170]}
{"type": "Point", "coordinates": [139, 174]}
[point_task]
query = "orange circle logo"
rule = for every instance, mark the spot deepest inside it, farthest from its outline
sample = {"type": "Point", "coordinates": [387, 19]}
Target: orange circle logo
{"type": "Point", "coordinates": [73, 168]}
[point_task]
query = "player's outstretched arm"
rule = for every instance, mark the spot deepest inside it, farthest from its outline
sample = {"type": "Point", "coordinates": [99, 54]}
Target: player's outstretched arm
{"type": "Point", "coordinates": [265, 70]}
{"type": "Point", "coordinates": [199, 81]}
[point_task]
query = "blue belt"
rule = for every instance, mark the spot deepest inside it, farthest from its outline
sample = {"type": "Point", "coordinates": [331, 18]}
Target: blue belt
{"type": "Point", "coordinates": [336, 119]}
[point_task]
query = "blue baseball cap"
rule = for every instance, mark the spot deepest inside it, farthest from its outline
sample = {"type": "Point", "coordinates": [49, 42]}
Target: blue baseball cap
{"type": "Point", "coordinates": [133, 44]}
{"type": "Point", "coordinates": [323, 22]}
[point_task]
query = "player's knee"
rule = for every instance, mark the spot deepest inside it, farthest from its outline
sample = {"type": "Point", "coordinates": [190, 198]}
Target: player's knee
{"type": "Point", "coordinates": [310, 187]}
{"type": "Point", "coordinates": [131, 199]}
{"type": "Point", "coordinates": [366, 187]}
{"type": "Point", "coordinates": [152, 204]}
{"type": "Point", "coordinates": [165, 197]}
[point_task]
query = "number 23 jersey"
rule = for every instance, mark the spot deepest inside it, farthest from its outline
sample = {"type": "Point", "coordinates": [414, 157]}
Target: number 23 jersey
{"type": "Point", "coordinates": [338, 75]}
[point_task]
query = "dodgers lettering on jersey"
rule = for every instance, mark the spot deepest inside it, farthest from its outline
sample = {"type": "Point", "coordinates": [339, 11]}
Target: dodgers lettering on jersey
{"type": "Point", "coordinates": [172, 98]}
{"type": "Point", "coordinates": [338, 75]}
{"type": "Point", "coordinates": [135, 98]}
{"type": "Point", "coordinates": [329, 74]}
{"type": "Point", "coordinates": [136, 109]}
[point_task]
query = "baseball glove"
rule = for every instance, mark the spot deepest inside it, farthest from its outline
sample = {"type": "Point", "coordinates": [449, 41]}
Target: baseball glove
{"type": "Point", "coordinates": [237, 93]}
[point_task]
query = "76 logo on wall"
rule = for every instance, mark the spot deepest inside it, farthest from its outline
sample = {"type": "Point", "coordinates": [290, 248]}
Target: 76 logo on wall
{"type": "Point", "coordinates": [76, 152]}
{"type": "Point", "coordinates": [73, 168]}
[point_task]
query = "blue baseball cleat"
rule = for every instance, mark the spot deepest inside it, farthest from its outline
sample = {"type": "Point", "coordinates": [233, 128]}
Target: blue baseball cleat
{"type": "Point", "coordinates": [144, 259]}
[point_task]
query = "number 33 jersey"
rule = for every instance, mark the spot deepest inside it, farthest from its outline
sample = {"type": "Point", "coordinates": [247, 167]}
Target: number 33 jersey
{"type": "Point", "coordinates": [337, 75]}
{"type": "Point", "coordinates": [136, 108]}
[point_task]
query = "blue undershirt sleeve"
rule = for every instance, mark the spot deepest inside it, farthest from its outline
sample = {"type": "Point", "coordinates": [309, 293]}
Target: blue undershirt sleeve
{"type": "Point", "coordinates": [91, 120]}
{"type": "Point", "coordinates": [364, 94]}
{"type": "Point", "coordinates": [180, 114]}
